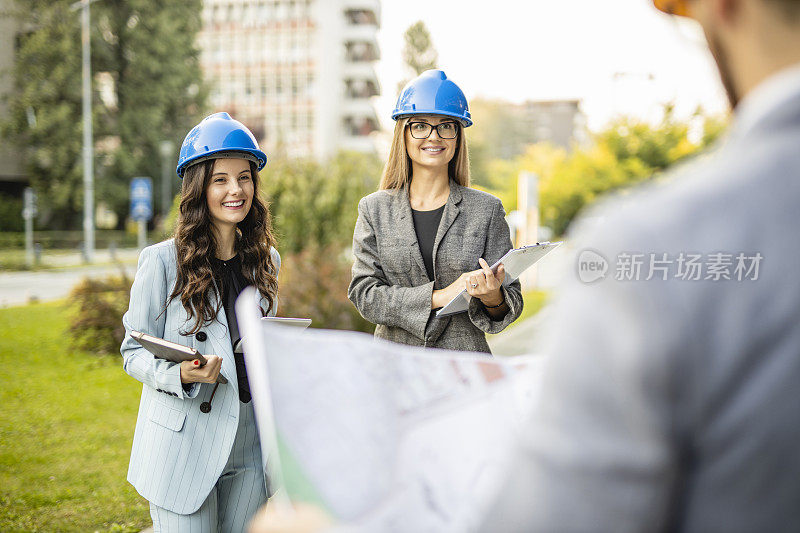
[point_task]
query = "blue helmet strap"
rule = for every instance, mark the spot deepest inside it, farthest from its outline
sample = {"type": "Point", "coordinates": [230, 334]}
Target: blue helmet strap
{"type": "Point", "coordinates": [230, 154]}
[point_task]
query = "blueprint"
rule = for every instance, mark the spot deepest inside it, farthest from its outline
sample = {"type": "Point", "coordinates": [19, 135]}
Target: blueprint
{"type": "Point", "coordinates": [384, 437]}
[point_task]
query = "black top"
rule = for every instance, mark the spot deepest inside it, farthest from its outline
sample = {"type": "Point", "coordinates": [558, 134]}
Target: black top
{"type": "Point", "coordinates": [232, 282]}
{"type": "Point", "coordinates": [426, 224]}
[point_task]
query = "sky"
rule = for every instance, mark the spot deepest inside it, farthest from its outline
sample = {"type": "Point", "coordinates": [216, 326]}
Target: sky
{"type": "Point", "coordinates": [616, 56]}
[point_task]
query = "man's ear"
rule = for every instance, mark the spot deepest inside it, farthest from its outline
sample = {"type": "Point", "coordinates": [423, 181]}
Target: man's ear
{"type": "Point", "coordinates": [727, 11]}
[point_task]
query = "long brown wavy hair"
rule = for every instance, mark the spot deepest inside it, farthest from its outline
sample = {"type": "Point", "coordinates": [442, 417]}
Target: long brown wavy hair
{"type": "Point", "coordinates": [196, 247]}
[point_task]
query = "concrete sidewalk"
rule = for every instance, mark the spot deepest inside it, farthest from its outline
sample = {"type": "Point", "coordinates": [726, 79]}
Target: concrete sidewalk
{"type": "Point", "coordinates": [525, 338]}
{"type": "Point", "coordinates": [23, 287]}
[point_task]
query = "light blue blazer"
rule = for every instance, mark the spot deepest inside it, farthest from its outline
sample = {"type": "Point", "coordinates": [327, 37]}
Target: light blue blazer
{"type": "Point", "coordinates": [178, 452]}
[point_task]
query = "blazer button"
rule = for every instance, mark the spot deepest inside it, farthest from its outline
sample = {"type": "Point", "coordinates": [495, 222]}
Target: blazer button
{"type": "Point", "coordinates": [201, 336]}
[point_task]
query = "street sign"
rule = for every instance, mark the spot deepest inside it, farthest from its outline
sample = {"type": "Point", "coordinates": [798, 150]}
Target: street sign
{"type": "Point", "coordinates": [141, 199]}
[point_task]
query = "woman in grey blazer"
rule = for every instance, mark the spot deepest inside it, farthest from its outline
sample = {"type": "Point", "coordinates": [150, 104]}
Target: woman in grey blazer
{"type": "Point", "coordinates": [426, 235]}
{"type": "Point", "coordinates": [196, 453]}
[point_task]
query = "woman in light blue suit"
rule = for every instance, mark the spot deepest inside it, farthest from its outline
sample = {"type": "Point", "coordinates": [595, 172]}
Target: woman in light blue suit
{"type": "Point", "coordinates": [196, 455]}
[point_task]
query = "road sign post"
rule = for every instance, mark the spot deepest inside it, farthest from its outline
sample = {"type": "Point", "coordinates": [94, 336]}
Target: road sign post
{"type": "Point", "coordinates": [142, 206]}
{"type": "Point", "coordinates": [167, 176]}
{"type": "Point", "coordinates": [29, 213]}
{"type": "Point", "coordinates": [528, 205]}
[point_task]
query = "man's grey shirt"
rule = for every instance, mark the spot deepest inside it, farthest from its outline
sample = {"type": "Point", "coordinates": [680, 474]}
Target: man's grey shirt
{"type": "Point", "coordinates": [675, 404]}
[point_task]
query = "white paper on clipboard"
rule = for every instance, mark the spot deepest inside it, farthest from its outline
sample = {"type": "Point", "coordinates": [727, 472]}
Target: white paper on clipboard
{"type": "Point", "coordinates": [286, 321]}
{"type": "Point", "coordinates": [515, 261]}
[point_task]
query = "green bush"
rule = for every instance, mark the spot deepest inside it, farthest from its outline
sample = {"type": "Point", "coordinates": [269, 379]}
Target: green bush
{"type": "Point", "coordinates": [11, 213]}
{"type": "Point", "coordinates": [98, 305]}
{"type": "Point", "coordinates": [313, 284]}
{"type": "Point", "coordinates": [315, 204]}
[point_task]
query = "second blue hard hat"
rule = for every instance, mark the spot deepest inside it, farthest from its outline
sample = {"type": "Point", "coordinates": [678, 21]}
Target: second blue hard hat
{"type": "Point", "coordinates": [218, 136]}
{"type": "Point", "coordinates": [431, 93]}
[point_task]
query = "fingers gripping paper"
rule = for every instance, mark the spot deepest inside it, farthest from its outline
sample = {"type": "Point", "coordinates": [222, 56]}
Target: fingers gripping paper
{"type": "Point", "coordinates": [385, 437]}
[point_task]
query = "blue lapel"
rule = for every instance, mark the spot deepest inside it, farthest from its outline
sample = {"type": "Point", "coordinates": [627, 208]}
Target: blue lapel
{"type": "Point", "coordinates": [220, 339]}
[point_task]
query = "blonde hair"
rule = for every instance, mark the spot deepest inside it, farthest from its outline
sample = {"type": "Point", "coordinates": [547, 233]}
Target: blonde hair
{"type": "Point", "coordinates": [397, 172]}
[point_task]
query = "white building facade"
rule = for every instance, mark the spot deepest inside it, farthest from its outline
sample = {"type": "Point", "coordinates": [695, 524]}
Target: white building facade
{"type": "Point", "coordinates": [299, 73]}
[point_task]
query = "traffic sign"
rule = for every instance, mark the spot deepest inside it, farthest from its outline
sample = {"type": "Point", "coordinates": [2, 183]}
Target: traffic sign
{"type": "Point", "coordinates": [141, 199]}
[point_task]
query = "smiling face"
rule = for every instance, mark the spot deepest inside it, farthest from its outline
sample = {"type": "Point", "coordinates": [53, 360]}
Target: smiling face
{"type": "Point", "coordinates": [433, 151]}
{"type": "Point", "coordinates": [229, 192]}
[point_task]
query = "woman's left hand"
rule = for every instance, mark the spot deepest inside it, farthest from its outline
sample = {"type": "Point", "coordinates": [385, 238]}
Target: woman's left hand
{"type": "Point", "coordinates": [486, 285]}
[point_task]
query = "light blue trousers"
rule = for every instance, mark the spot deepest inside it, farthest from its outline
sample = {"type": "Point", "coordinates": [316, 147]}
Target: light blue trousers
{"type": "Point", "coordinates": [237, 495]}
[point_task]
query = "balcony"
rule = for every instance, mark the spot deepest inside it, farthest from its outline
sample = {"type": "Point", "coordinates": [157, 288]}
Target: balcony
{"type": "Point", "coordinates": [362, 17]}
{"type": "Point", "coordinates": [356, 88]}
{"type": "Point", "coordinates": [360, 126]}
{"type": "Point", "coordinates": [362, 50]}
{"type": "Point", "coordinates": [363, 5]}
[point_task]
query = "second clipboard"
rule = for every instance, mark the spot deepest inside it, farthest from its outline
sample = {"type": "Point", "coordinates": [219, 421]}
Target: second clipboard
{"type": "Point", "coordinates": [515, 261]}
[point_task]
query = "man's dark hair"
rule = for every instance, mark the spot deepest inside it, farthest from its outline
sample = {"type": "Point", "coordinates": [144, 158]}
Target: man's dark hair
{"type": "Point", "coordinates": [789, 9]}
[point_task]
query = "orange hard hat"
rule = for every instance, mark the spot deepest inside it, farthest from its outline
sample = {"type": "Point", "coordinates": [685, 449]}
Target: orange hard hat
{"type": "Point", "coordinates": [673, 7]}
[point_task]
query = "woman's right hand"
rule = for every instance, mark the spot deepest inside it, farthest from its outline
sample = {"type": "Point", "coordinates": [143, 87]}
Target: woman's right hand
{"type": "Point", "coordinates": [442, 297]}
{"type": "Point", "coordinates": [192, 372]}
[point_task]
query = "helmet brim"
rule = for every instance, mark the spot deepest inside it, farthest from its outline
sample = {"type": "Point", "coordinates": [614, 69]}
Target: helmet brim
{"type": "Point", "coordinates": [256, 156]}
{"type": "Point", "coordinates": [465, 121]}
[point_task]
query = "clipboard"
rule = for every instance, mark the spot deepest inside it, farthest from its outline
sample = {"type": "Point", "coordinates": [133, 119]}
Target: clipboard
{"type": "Point", "coordinates": [515, 261]}
{"type": "Point", "coordinates": [171, 351]}
{"type": "Point", "coordinates": [302, 323]}
{"type": "Point", "coordinates": [286, 321]}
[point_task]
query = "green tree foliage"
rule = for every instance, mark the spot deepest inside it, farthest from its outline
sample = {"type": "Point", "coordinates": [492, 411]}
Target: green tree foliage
{"type": "Point", "coordinates": [148, 47]}
{"type": "Point", "coordinates": [495, 135]}
{"type": "Point", "coordinates": [624, 154]}
{"type": "Point", "coordinates": [314, 208]}
{"type": "Point", "coordinates": [419, 53]}
{"type": "Point", "coordinates": [146, 89]}
{"type": "Point", "coordinates": [315, 204]}
{"type": "Point", "coordinates": [45, 110]}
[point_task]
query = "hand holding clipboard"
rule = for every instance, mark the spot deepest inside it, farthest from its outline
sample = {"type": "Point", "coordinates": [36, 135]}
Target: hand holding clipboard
{"type": "Point", "coordinates": [515, 262]}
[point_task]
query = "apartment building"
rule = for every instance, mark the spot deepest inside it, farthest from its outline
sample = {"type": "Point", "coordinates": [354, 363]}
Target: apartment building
{"type": "Point", "coordinates": [560, 122]}
{"type": "Point", "coordinates": [299, 73]}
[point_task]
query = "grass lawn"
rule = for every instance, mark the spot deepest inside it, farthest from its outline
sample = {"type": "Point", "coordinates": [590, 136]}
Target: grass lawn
{"type": "Point", "coordinates": [66, 427]}
{"type": "Point", "coordinates": [533, 303]}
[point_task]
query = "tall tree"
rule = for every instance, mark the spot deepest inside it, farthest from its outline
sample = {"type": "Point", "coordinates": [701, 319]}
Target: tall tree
{"type": "Point", "coordinates": [45, 109]}
{"type": "Point", "coordinates": [147, 88]}
{"type": "Point", "coordinates": [419, 54]}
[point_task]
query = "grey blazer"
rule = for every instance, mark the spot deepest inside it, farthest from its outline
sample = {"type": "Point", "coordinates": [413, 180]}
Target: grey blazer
{"type": "Point", "coordinates": [390, 286]}
{"type": "Point", "coordinates": [178, 452]}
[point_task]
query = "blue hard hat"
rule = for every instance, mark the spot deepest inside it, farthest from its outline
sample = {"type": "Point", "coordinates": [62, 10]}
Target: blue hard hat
{"type": "Point", "coordinates": [218, 136]}
{"type": "Point", "coordinates": [431, 93]}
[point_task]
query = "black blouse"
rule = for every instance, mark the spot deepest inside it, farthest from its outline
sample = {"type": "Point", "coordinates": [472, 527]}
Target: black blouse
{"type": "Point", "coordinates": [426, 225]}
{"type": "Point", "coordinates": [232, 282]}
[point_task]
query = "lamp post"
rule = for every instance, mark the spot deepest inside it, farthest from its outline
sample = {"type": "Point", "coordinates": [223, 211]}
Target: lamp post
{"type": "Point", "coordinates": [166, 148]}
{"type": "Point", "coordinates": [88, 149]}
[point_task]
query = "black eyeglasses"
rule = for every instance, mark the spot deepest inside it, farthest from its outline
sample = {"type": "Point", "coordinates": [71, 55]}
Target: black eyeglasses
{"type": "Point", "coordinates": [422, 130]}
